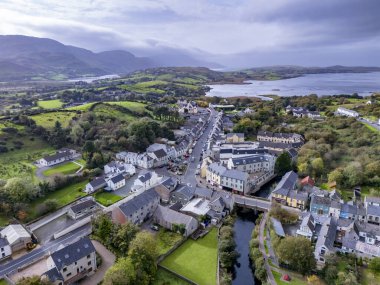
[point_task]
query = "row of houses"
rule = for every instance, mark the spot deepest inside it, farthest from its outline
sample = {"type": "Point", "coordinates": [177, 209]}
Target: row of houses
{"type": "Point", "coordinates": [279, 137]}
{"type": "Point", "coordinates": [341, 111]}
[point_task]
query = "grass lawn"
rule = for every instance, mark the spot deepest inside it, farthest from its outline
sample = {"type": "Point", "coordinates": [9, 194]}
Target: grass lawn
{"type": "Point", "coordinates": [3, 221]}
{"type": "Point", "coordinates": [3, 282]}
{"type": "Point", "coordinates": [196, 260]}
{"type": "Point", "coordinates": [107, 198]}
{"type": "Point", "coordinates": [371, 128]}
{"type": "Point", "coordinates": [164, 277]}
{"type": "Point", "coordinates": [295, 280]}
{"type": "Point", "coordinates": [112, 112]}
{"type": "Point", "coordinates": [63, 196]}
{"type": "Point", "coordinates": [368, 278]}
{"type": "Point", "coordinates": [166, 240]}
{"type": "Point", "coordinates": [47, 120]}
{"type": "Point", "coordinates": [66, 168]}
{"type": "Point", "coordinates": [50, 104]}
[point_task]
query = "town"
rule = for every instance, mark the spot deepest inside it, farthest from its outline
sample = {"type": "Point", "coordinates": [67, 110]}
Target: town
{"type": "Point", "coordinates": [188, 189]}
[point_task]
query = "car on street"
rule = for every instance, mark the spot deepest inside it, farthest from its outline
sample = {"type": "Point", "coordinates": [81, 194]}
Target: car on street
{"type": "Point", "coordinates": [154, 227]}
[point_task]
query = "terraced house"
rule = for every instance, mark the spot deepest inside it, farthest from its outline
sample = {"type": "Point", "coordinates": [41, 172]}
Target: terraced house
{"type": "Point", "coordinates": [280, 137]}
{"type": "Point", "coordinates": [288, 193]}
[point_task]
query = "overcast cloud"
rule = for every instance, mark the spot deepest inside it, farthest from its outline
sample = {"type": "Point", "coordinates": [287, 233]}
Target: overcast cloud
{"type": "Point", "coordinates": [232, 32]}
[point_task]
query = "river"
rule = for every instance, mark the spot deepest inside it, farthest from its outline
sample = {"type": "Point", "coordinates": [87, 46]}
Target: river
{"type": "Point", "coordinates": [321, 84]}
{"type": "Point", "coordinates": [243, 227]}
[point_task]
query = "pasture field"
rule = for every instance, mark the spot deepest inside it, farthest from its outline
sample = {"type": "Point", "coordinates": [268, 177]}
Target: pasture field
{"type": "Point", "coordinates": [50, 104]}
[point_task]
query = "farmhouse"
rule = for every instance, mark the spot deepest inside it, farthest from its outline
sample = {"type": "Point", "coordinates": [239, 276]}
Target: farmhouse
{"type": "Point", "coordinates": [60, 156]}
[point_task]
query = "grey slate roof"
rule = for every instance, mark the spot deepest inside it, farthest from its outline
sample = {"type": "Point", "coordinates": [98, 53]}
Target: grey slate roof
{"type": "Point", "coordinates": [83, 205]}
{"type": "Point", "coordinates": [371, 199]}
{"type": "Point", "coordinates": [373, 210]}
{"type": "Point", "coordinates": [186, 191]}
{"type": "Point", "coordinates": [169, 183]}
{"type": "Point", "coordinates": [145, 177]}
{"type": "Point", "coordinates": [135, 204]}
{"type": "Point", "coordinates": [72, 252]}
{"type": "Point", "coordinates": [249, 159]}
{"type": "Point", "coordinates": [97, 182]}
{"type": "Point", "coordinates": [287, 183]}
{"type": "Point", "coordinates": [57, 156]}
{"type": "Point", "coordinates": [160, 153]}
{"type": "Point", "coordinates": [173, 217]}
{"type": "Point", "coordinates": [327, 234]}
{"type": "Point", "coordinates": [54, 275]}
{"type": "Point", "coordinates": [321, 201]}
{"type": "Point", "coordinates": [216, 168]}
{"type": "Point", "coordinates": [203, 192]}
{"type": "Point", "coordinates": [117, 178]}
{"type": "Point", "coordinates": [3, 242]}
{"type": "Point", "coordinates": [236, 174]}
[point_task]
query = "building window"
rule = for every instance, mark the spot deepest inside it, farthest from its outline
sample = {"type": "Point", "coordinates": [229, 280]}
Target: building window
{"type": "Point", "coordinates": [68, 274]}
{"type": "Point", "coordinates": [89, 263]}
{"type": "Point", "coordinates": [64, 269]}
{"type": "Point", "coordinates": [88, 256]}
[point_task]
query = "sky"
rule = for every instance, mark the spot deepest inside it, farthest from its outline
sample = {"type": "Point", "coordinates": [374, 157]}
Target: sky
{"type": "Point", "coordinates": [235, 33]}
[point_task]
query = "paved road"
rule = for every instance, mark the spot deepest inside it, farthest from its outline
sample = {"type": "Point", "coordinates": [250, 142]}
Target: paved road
{"type": "Point", "coordinates": [253, 202]}
{"type": "Point", "coordinates": [189, 176]}
{"type": "Point", "coordinates": [365, 121]}
{"type": "Point", "coordinates": [43, 250]}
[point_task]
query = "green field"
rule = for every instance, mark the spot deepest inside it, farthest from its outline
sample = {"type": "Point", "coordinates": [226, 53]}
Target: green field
{"type": "Point", "coordinates": [3, 221]}
{"type": "Point", "coordinates": [47, 120]}
{"type": "Point", "coordinates": [18, 162]}
{"type": "Point", "coordinates": [63, 196]}
{"type": "Point", "coordinates": [50, 104]}
{"type": "Point", "coordinates": [196, 260]}
{"type": "Point", "coordinates": [166, 240]}
{"type": "Point", "coordinates": [108, 111]}
{"type": "Point", "coordinates": [107, 198]}
{"type": "Point", "coordinates": [83, 107]}
{"type": "Point", "coordinates": [294, 280]}
{"type": "Point", "coordinates": [164, 277]}
{"type": "Point", "coordinates": [65, 169]}
{"type": "Point", "coordinates": [133, 106]}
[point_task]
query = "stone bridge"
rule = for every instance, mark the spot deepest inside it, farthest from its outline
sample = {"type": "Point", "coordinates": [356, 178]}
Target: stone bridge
{"type": "Point", "coordinates": [256, 203]}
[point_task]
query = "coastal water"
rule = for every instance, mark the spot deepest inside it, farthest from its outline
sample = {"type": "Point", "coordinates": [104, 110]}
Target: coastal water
{"type": "Point", "coordinates": [321, 84]}
{"type": "Point", "coordinates": [243, 227]}
{"type": "Point", "coordinates": [94, 78]}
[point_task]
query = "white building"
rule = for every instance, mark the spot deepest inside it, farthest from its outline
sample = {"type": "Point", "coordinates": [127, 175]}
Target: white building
{"type": "Point", "coordinates": [116, 182]}
{"type": "Point", "coordinates": [82, 208]}
{"type": "Point", "coordinates": [5, 248]}
{"type": "Point", "coordinates": [72, 262]}
{"type": "Point", "coordinates": [95, 184]}
{"type": "Point", "coordinates": [307, 227]}
{"type": "Point", "coordinates": [60, 156]}
{"type": "Point", "coordinates": [17, 236]}
{"type": "Point", "coordinates": [253, 163]}
{"type": "Point", "coordinates": [347, 112]}
{"type": "Point", "coordinates": [146, 180]}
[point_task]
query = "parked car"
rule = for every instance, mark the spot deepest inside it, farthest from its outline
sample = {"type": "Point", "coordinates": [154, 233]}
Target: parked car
{"type": "Point", "coordinates": [155, 228]}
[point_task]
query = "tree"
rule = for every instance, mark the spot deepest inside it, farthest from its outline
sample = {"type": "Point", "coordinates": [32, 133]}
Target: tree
{"type": "Point", "coordinates": [297, 252]}
{"type": "Point", "coordinates": [20, 189]}
{"type": "Point", "coordinates": [283, 163]}
{"type": "Point", "coordinates": [143, 254]}
{"type": "Point", "coordinates": [374, 265]}
{"type": "Point", "coordinates": [336, 176]}
{"type": "Point", "coordinates": [346, 279]}
{"type": "Point", "coordinates": [317, 166]}
{"type": "Point", "coordinates": [121, 273]}
{"type": "Point", "coordinates": [57, 136]}
{"type": "Point", "coordinates": [77, 133]}
{"type": "Point", "coordinates": [102, 227]}
{"type": "Point", "coordinates": [124, 236]}
{"type": "Point", "coordinates": [353, 174]}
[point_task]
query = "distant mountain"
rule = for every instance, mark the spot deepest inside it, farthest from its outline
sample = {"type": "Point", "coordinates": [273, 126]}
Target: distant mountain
{"type": "Point", "coordinates": [28, 58]}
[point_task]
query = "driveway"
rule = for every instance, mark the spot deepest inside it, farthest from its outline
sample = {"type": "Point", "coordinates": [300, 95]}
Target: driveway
{"type": "Point", "coordinates": [108, 259]}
